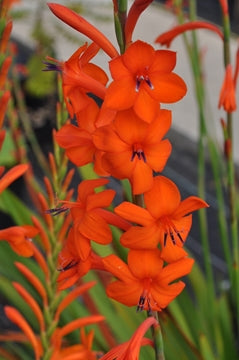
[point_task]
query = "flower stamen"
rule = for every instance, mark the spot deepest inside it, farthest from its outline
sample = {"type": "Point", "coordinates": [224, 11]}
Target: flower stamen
{"type": "Point", "coordinates": [139, 79]}
{"type": "Point", "coordinates": [70, 265]}
{"type": "Point", "coordinates": [138, 151]}
{"type": "Point", "coordinates": [171, 230]}
{"type": "Point", "coordinates": [56, 211]}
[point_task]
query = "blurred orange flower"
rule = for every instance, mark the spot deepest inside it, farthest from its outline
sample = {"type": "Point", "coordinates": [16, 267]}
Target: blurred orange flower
{"type": "Point", "coordinates": [144, 282]}
{"type": "Point", "coordinates": [19, 238]}
{"type": "Point", "coordinates": [130, 349]}
{"type": "Point", "coordinates": [227, 98]}
{"type": "Point", "coordinates": [143, 78]}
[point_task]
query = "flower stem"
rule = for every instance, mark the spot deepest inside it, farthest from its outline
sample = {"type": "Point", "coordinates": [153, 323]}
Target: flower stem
{"type": "Point", "coordinates": [158, 339]}
{"type": "Point", "coordinates": [231, 179]}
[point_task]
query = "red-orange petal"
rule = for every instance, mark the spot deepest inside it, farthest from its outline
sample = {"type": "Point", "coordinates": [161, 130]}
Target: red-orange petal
{"type": "Point", "coordinates": [145, 263]}
{"type": "Point", "coordinates": [121, 94]}
{"type": "Point", "coordinates": [145, 106]}
{"type": "Point", "coordinates": [78, 23]}
{"type": "Point", "coordinates": [134, 213]}
{"type": "Point", "coordinates": [137, 237]}
{"type": "Point", "coordinates": [117, 267]}
{"type": "Point", "coordinates": [95, 228]}
{"type": "Point", "coordinates": [168, 88]}
{"type": "Point", "coordinates": [139, 183]}
{"type": "Point", "coordinates": [168, 194]}
{"type": "Point", "coordinates": [138, 56]}
{"type": "Point", "coordinates": [187, 206]}
{"type": "Point", "coordinates": [157, 154]}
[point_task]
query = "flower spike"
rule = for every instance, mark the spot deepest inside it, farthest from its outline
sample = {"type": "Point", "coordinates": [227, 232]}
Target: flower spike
{"type": "Point", "coordinates": [80, 24]}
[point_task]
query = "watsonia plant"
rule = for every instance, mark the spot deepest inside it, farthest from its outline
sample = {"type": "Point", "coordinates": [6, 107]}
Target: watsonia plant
{"type": "Point", "coordinates": [86, 278]}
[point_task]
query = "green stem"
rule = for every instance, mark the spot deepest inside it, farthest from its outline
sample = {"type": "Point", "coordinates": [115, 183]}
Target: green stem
{"type": "Point", "coordinates": [158, 339]}
{"type": "Point", "coordinates": [201, 160]}
{"type": "Point", "coordinates": [26, 123]}
{"type": "Point", "coordinates": [231, 179]}
{"type": "Point", "coordinates": [119, 20]}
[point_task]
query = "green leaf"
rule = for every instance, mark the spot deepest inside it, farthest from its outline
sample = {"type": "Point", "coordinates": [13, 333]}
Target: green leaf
{"type": "Point", "coordinates": [206, 350]}
{"type": "Point", "coordinates": [6, 154]}
{"type": "Point", "coordinates": [19, 212]}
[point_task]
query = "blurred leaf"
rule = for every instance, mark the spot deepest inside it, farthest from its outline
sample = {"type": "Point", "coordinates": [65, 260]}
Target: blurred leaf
{"type": "Point", "coordinates": [20, 213]}
{"type": "Point", "coordinates": [206, 350]}
{"type": "Point", "coordinates": [7, 157]}
{"type": "Point", "coordinates": [39, 84]}
{"type": "Point", "coordinates": [14, 299]}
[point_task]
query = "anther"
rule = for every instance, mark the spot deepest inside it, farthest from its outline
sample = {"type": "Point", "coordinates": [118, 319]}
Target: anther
{"type": "Point", "coordinates": [140, 155]}
{"type": "Point", "coordinates": [148, 82]}
{"type": "Point", "coordinates": [140, 306]}
{"type": "Point", "coordinates": [70, 265]}
{"type": "Point", "coordinates": [56, 211]}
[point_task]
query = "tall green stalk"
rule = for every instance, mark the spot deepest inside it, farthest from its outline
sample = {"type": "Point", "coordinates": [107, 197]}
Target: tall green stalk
{"type": "Point", "coordinates": [231, 178]}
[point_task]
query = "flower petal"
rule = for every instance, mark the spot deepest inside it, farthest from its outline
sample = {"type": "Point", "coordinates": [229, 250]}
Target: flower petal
{"type": "Point", "coordinates": [168, 88]}
{"type": "Point", "coordinates": [138, 56]}
{"type": "Point", "coordinates": [145, 263]}
{"type": "Point", "coordinates": [163, 198]}
{"type": "Point", "coordinates": [164, 61]}
{"type": "Point", "coordinates": [157, 154]}
{"type": "Point", "coordinates": [134, 213]}
{"type": "Point", "coordinates": [140, 183]}
{"type": "Point", "coordinates": [95, 228]}
{"type": "Point", "coordinates": [145, 106]}
{"type": "Point", "coordinates": [117, 267]}
{"type": "Point", "coordinates": [192, 203]}
{"type": "Point", "coordinates": [138, 237]}
{"type": "Point", "coordinates": [121, 94]}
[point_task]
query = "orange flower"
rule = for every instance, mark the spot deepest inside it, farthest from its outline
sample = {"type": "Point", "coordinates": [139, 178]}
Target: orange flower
{"type": "Point", "coordinates": [80, 24]}
{"type": "Point", "coordinates": [79, 351]}
{"type": "Point", "coordinates": [167, 37]}
{"type": "Point", "coordinates": [134, 148]}
{"type": "Point", "coordinates": [78, 141]}
{"type": "Point", "coordinates": [80, 77]}
{"type": "Point", "coordinates": [19, 237]}
{"type": "Point", "coordinates": [144, 282]}
{"type": "Point", "coordinates": [164, 218]}
{"type": "Point", "coordinates": [71, 266]}
{"type": "Point", "coordinates": [227, 98]}
{"type": "Point", "coordinates": [90, 220]}
{"type": "Point", "coordinates": [130, 349]}
{"type": "Point", "coordinates": [143, 78]}
{"type": "Point", "coordinates": [59, 333]}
